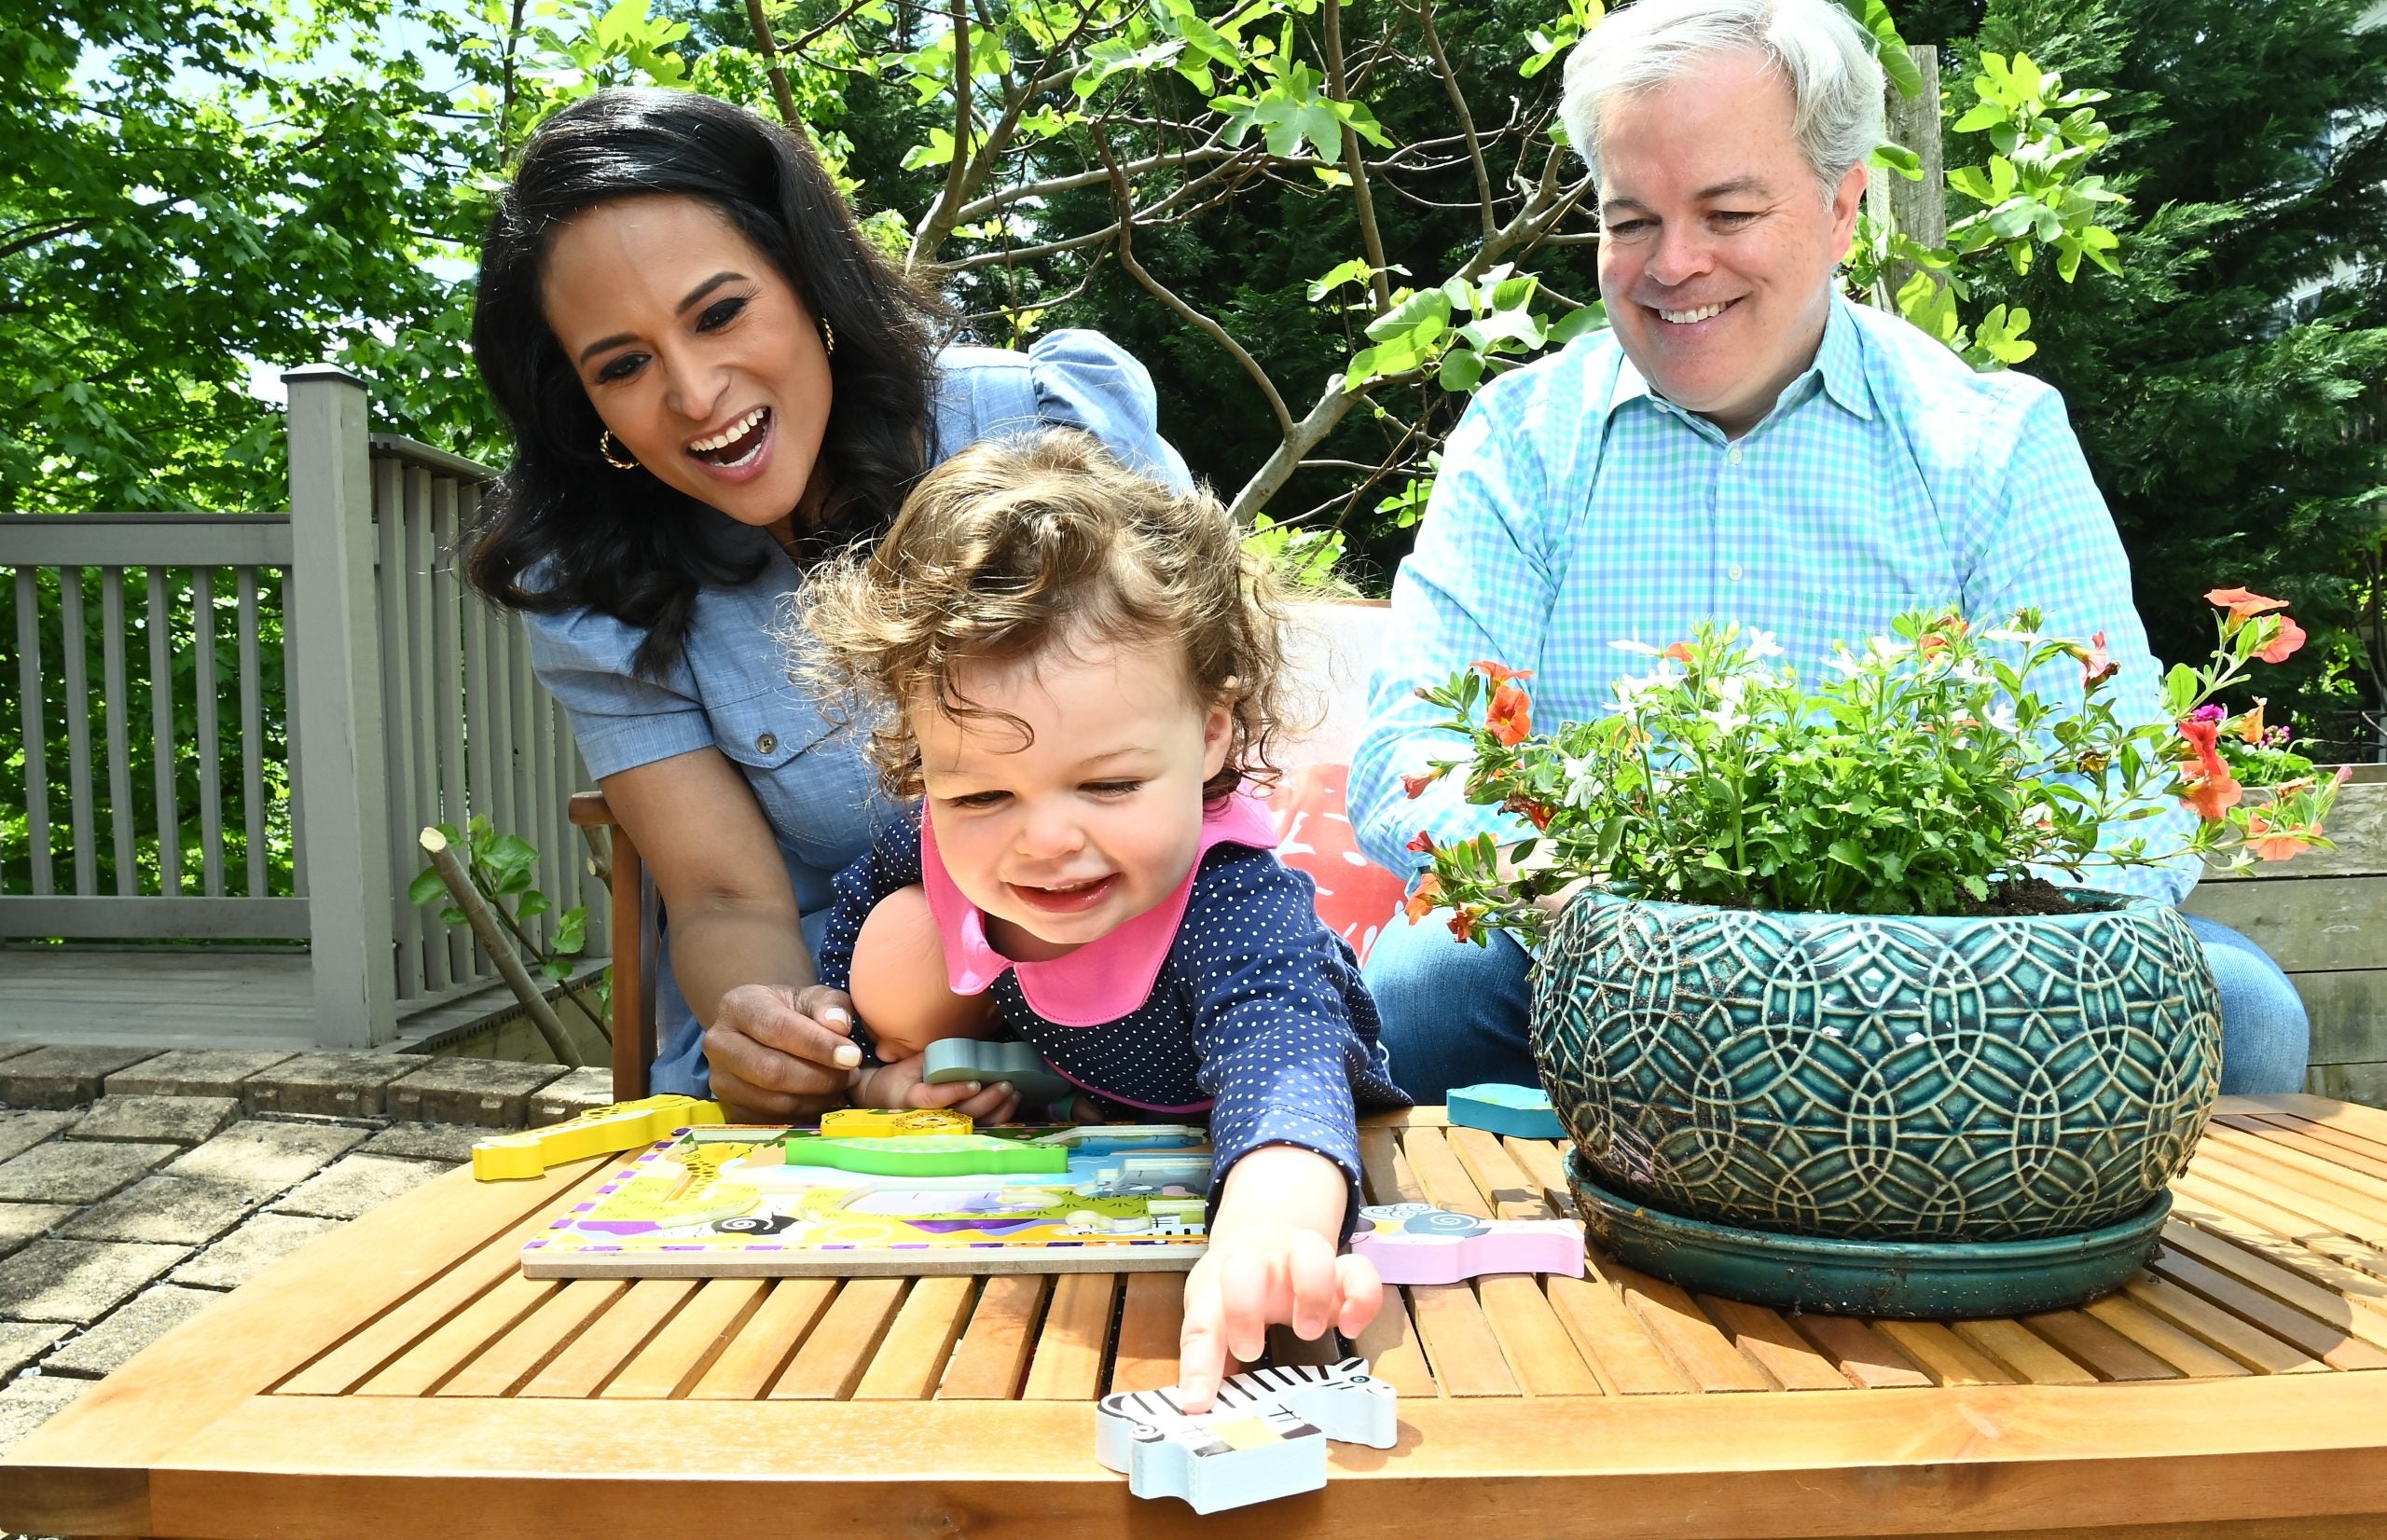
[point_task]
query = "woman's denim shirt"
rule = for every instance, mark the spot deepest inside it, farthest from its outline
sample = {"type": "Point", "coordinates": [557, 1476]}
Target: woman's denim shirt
{"type": "Point", "coordinates": [731, 688]}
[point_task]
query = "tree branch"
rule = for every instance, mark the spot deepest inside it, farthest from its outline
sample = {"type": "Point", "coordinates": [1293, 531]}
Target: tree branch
{"type": "Point", "coordinates": [1334, 405]}
{"type": "Point", "coordinates": [24, 240]}
{"type": "Point", "coordinates": [781, 93]}
{"type": "Point", "coordinates": [935, 224]}
{"type": "Point", "coordinates": [1363, 202]}
{"type": "Point", "coordinates": [1122, 202]}
{"type": "Point", "coordinates": [1459, 107]}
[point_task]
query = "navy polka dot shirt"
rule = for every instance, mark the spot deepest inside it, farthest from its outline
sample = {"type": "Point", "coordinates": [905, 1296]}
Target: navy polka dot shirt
{"type": "Point", "coordinates": [1258, 1016]}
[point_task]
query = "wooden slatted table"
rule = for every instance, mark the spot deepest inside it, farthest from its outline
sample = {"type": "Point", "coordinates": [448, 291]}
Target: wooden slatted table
{"type": "Point", "coordinates": [400, 1378]}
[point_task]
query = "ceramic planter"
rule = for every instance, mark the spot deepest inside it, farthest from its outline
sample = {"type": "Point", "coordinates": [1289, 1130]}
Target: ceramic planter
{"type": "Point", "coordinates": [1894, 1079]}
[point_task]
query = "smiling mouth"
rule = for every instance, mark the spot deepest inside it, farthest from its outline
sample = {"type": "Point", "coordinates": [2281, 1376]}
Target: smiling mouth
{"type": "Point", "coordinates": [1693, 317]}
{"type": "Point", "coordinates": [1068, 898]}
{"type": "Point", "coordinates": [736, 444]}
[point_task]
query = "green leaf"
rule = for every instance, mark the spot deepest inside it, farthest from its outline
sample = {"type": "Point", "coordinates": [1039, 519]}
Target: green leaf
{"type": "Point", "coordinates": [1462, 370]}
{"type": "Point", "coordinates": [427, 888]}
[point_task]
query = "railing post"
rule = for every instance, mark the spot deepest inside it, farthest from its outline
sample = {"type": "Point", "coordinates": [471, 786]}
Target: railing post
{"type": "Point", "coordinates": [337, 696]}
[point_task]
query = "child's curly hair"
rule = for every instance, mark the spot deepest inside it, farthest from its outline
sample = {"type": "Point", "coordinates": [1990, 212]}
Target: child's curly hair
{"type": "Point", "coordinates": [1015, 545]}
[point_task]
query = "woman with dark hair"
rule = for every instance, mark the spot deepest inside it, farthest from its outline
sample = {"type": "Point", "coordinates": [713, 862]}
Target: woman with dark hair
{"type": "Point", "coordinates": [712, 377]}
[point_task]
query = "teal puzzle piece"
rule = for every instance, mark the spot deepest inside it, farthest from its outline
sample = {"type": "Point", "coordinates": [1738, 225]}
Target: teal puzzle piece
{"type": "Point", "coordinates": [1518, 1111]}
{"type": "Point", "coordinates": [968, 1059]}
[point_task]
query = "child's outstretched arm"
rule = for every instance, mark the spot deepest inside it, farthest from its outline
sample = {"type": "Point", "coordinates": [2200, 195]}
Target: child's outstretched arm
{"type": "Point", "coordinates": [1271, 1260]}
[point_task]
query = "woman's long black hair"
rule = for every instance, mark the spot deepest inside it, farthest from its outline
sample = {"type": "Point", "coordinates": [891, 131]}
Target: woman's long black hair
{"type": "Point", "coordinates": [562, 528]}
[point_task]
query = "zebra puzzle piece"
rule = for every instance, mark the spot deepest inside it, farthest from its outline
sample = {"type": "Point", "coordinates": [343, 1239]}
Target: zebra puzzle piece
{"type": "Point", "coordinates": [1518, 1111]}
{"type": "Point", "coordinates": [605, 1130]}
{"type": "Point", "coordinates": [1266, 1437]}
{"type": "Point", "coordinates": [1420, 1244]}
{"type": "Point", "coordinates": [950, 1059]}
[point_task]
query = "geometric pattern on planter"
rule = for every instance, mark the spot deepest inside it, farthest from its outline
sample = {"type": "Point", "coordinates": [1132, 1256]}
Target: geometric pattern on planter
{"type": "Point", "coordinates": [1867, 1077]}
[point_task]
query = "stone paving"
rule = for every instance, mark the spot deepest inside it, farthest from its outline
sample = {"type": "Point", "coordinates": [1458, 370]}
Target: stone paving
{"type": "Point", "coordinates": [137, 1187]}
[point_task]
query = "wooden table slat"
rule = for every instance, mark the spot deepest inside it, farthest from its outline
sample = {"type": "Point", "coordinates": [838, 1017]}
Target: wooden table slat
{"type": "Point", "coordinates": [1546, 1169]}
{"type": "Point", "coordinates": [1775, 1343]}
{"type": "Point", "coordinates": [1392, 1349]}
{"type": "Point", "coordinates": [911, 1359]}
{"type": "Point", "coordinates": [535, 1340]}
{"type": "Point", "coordinates": [2331, 1134]}
{"type": "Point", "coordinates": [2344, 1151]}
{"type": "Point", "coordinates": [1067, 1362]}
{"type": "Point", "coordinates": [2327, 1343]}
{"type": "Point", "coordinates": [1497, 1175]}
{"type": "Point", "coordinates": [2031, 1357]}
{"type": "Point", "coordinates": [1459, 1342]}
{"type": "Point", "coordinates": [1445, 1181]}
{"type": "Point", "coordinates": [1947, 1358]}
{"type": "Point", "coordinates": [2088, 1340]}
{"type": "Point", "coordinates": [1613, 1340]}
{"type": "Point", "coordinates": [1540, 1353]}
{"type": "Point", "coordinates": [1676, 1320]}
{"type": "Point", "coordinates": [1864, 1355]}
{"type": "Point", "coordinates": [1148, 1320]}
{"type": "Point", "coordinates": [677, 1356]}
{"type": "Point", "coordinates": [1388, 1176]}
{"type": "Point", "coordinates": [2289, 1284]}
{"type": "Point", "coordinates": [607, 1343]}
{"type": "Point", "coordinates": [2257, 1349]}
{"type": "Point", "coordinates": [766, 1340]}
{"type": "Point", "coordinates": [2160, 1337]}
{"type": "Point", "coordinates": [2279, 1167]}
{"type": "Point", "coordinates": [422, 1366]}
{"type": "Point", "coordinates": [993, 1355]}
{"type": "Point", "coordinates": [831, 1361]}
{"type": "Point", "coordinates": [2318, 1206]}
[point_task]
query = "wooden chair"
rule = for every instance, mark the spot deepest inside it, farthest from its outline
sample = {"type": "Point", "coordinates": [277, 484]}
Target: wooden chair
{"type": "Point", "coordinates": [635, 942]}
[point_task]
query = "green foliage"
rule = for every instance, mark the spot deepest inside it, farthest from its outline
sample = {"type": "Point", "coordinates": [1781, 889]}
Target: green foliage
{"type": "Point", "coordinates": [501, 867]}
{"type": "Point", "coordinates": [1928, 775]}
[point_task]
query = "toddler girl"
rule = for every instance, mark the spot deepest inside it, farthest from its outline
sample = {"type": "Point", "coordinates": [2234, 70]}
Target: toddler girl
{"type": "Point", "coordinates": [1078, 667]}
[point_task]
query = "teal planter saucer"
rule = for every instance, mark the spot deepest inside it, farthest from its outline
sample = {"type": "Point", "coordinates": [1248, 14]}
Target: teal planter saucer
{"type": "Point", "coordinates": [1907, 1280]}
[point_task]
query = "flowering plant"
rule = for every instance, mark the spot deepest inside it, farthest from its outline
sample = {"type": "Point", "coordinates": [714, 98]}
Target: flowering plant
{"type": "Point", "coordinates": [1926, 776]}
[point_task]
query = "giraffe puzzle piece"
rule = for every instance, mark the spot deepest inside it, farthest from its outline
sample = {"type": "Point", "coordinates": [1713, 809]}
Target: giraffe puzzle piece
{"type": "Point", "coordinates": [1518, 1111]}
{"type": "Point", "coordinates": [932, 1155]}
{"type": "Point", "coordinates": [872, 1122]}
{"type": "Point", "coordinates": [1420, 1244]}
{"type": "Point", "coordinates": [605, 1130]}
{"type": "Point", "coordinates": [951, 1059]}
{"type": "Point", "coordinates": [1265, 1438]}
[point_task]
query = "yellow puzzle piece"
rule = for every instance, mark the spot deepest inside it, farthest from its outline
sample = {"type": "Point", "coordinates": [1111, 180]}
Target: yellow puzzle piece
{"type": "Point", "coordinates": [624, 1126]}
{"type": "Point", "coordinates": [872, 1122]}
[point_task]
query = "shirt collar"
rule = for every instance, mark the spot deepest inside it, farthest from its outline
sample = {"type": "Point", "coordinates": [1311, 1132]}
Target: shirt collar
{"type": "Point", "coordinates": [1106, 977]}
{"type": "Point", "coordinates": [1839, 366]}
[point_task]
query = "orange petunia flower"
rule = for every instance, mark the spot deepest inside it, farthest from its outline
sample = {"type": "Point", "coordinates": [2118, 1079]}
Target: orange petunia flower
{"type": "Point", "coordinates": [2271, 844]}
{"type": "Point", "coordinates": [2249, 727]}
{"type": "Point", "coordinates": [2210, 796]}
{"type": "Point", "coordinates": [1463, 922]}
{"type": "Point", "coordinates": [1421, 901]}
{"type": "Point", "coordinates": [1679, 651]}
{"type": "Point", "coordinates": [2201, 736]}
{"type": "Point", "coordinates": [2095, 666]}
{"type": "Point", "coordinates": [1510, 717]}
{"type": "Point", "coordinates": [2284, 646]}
{"type": "Point", "coordinates": [2244, 604]}
{"type": "Point", "coordinates": [1499, 673]}
{"type": "Point", "coordinates": [1421, 843]}
{"type": "Point", "coordinates": [1539, 812]}
{"type": "Point", "coordinates": [1415, 785]}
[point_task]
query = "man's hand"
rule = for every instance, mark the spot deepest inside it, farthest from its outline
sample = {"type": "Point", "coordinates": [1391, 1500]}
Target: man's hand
{"type": "Point", "coordinates": [899, 1084]}
{"type": "Point", "coordinates": [778, 1053]}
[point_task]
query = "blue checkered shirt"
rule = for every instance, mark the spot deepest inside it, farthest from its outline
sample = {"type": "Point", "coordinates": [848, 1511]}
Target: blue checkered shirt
{"type": "Point", "coordinates": [1577, 507]}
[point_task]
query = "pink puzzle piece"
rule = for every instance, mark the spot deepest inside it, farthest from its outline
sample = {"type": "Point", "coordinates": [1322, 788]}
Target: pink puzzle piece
{"type": "Point", "coordinates": [1420, 1244]}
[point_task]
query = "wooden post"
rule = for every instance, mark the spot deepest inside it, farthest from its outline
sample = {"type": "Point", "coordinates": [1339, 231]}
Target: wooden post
{"type": "Point", "coordinates": [1918, 208]}
{"type": "Point", "coordinates": [336, 692]}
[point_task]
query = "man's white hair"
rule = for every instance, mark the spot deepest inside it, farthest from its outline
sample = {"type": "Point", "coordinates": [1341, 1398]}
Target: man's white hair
{"type": "Point", "coordinates": [1835, 81]}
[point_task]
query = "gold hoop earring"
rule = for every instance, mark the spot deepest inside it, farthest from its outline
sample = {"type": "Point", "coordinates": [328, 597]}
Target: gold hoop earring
{"type": "Point", "coordinates": [828, 337]}
{"type": "Point", "coordinates": [607, 444]}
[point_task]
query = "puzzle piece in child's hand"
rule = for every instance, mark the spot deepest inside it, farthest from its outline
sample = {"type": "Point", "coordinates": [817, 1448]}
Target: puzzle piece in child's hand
{"type": "Point", "coordinates": [1420, 1244]}
{"type": "Point", "coordinates": [951, 1059]}
{"type": "Point", "coordinates": [607, 1130]}
{"type": "Point", "coordinates": [940, 1155]}
{"type": "Point", "coordinates": [1518, 1111]}
{"type": "Point", "coordinates": [1265, 1437]}
{"type": "Point", "coordinates": [875, 1123]}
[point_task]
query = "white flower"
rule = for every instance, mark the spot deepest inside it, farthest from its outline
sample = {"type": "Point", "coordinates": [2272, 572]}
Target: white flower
{"type": "Point", "coordinates": [1971, 672]}
{"type": "Point", "coordinates": [1630, 688]}
{"type": "Point", "coordinates": [1886, 648]}
{"type": "Point", "coordinates": [1642, 648]}
{"type": "Point", "coordinates": [1727, 716]}
{"type": "Point", "coordinates": [1840, 662]}
{"type": "Point", "coordinates": [1762, 645]}
{"type": "Point", "coordinates": [2001, 716]}
{"type": "Point", "coordinates": [2008, 633]}
{"type": "Point", "coordinates": [1582, 787]}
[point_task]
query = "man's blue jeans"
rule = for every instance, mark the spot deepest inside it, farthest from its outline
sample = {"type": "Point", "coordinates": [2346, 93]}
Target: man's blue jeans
{"type": "Point", "coordinates": [1454, 1012]}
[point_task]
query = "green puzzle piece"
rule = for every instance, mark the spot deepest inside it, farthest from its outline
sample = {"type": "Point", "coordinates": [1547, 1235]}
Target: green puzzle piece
{"type": "Point", "coordinates": [928, 1155]}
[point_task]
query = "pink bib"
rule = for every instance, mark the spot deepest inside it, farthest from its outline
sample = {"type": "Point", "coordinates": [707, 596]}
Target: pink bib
{"type": "Point", "coordinates": [1105, 979]}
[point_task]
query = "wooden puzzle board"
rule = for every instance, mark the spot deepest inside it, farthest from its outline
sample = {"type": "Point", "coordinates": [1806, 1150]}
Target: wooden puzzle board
{"type": "Point", "coordinates": [723, 1203]}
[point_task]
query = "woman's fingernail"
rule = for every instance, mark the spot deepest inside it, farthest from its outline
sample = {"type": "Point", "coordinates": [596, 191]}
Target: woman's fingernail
{"type": "Point", "coordinates": [846, 1055]}
{"type": "Point", "coordinates": [838, 1014]}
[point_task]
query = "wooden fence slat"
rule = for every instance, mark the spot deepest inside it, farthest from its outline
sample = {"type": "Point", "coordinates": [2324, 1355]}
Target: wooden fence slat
{"type": "Point", "coordinates": [480, 761]}
{"type": "Point", "coordinates": [768, 1339]}
{"type": "Point", "coordinates": [447, 694]}
{"type": "Point", "coordinates": [992, 1355]}
{"type": "Point", "coordinates": [421, 732]}
{"type": "Point", "coordinates": [1149, 1321]}
{"type": "Point", "coordinates": [121, 825]}
{"type": "Point", "coordinates": [911, 1360]}
{"type": "Point", "coordinates": [35, 740]}
{"type": "Point", "coordinates": [832, 1358]}
{"type": "Point", "coordinates": [1068, 1361]}
{"type": "Point", "coordinates": [505, 748]}
{"type": "Point", "coordinates": [610, 1340]}
{"type": "Point", "coordinates": [534, 1341]}
{"type": "Point", "coordinates": [211, 747]}
{"type": "Point", "coordinates": [293, 723]}
{"type": "Point", "coordinates": [252, 810]}
{"type": "Point", "coordinates": [75, 639]}
{"type": "Point", "coordinates": [678, 1355]}
{"type": "Point", "coordinates": [389, 588]}
{"type": "Point", "coordinates": [162, 768]}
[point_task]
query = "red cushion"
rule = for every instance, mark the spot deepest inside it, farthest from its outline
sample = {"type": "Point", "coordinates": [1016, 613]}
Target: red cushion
{"type": "Point", "coordinates": [1355, 898]}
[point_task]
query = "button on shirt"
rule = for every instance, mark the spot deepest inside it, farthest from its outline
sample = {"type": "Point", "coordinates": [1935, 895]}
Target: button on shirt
{"type": "Point", "coordinates": [1577, 507]}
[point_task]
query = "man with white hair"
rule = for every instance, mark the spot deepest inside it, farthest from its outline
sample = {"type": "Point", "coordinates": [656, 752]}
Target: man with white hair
{"type": "Point", "coordinates": [1742, 444]}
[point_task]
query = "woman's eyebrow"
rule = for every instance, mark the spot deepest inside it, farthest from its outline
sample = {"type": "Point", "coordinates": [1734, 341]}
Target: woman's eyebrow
{"type": "Point", "coordinates": [696, 297]}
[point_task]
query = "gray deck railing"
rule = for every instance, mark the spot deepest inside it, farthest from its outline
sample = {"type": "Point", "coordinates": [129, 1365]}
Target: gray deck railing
{"type": "Point", "coordinates": [308, 689]}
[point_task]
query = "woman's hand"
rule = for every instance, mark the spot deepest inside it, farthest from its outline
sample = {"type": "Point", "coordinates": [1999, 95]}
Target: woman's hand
{"type": "Point", "coordinates": [1271, 1260]}
{"type": "Point", "coordinates": [778, 1053]}
{"type": "Point", "coordinates": [899, 1084]}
